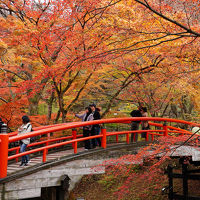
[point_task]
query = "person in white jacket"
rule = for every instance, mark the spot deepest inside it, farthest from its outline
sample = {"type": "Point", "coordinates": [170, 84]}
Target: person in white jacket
{"type": "Point", "coordinates": [87, 116]}
{"type": "Point", "coordinates": [26, 127]}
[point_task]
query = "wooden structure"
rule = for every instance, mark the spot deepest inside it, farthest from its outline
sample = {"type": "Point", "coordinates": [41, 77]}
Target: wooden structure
{"type": "Point", "coordinates": [185, 176]}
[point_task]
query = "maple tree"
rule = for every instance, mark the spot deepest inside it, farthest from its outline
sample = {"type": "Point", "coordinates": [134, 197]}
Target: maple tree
{"type": "Point", "coordinates": [58, 50]}
{"type": "Point", "coordinates": [67, 52]}
{"type": "Point", "coordinates": [149, 30]}
{"type": "Point", "coordinates": [51, 31]}
{"type": "Point", "coordinates": [153, 25]}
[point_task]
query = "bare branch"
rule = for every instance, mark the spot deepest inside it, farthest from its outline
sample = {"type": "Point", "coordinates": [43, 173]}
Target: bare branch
{"type": "Point", "coordinates": [2, 99]}
{"type": "Point", "coordinates": [195, 34]}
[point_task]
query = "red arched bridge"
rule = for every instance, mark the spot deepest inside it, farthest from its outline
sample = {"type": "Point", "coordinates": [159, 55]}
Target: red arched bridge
{"type": "Point", "coordinates": [159, 127]}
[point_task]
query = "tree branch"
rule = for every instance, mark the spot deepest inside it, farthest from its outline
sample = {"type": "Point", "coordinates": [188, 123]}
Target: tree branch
{"type": "Point", "coordinates": [196, 34]}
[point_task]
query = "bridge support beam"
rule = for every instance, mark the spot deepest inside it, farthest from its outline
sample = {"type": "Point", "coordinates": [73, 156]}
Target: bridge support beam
{"type": "Point", "coordinates": [58, 192]}
{"type": "Point", "coordinates": [62, 190]}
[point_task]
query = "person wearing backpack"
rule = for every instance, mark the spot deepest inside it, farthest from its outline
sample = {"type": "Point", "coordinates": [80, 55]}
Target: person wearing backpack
{"type": "Point", "coordinates": [135, 124]}
{"type": "Point", "coordinates": [26, 127]}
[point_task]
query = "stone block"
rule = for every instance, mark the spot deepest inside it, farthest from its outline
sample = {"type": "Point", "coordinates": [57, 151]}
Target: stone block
{"type": "Point", "coordinates": [23, 194]}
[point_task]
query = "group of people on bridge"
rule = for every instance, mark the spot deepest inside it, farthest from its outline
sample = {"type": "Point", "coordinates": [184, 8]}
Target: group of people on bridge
{"type": "Point", "coordinates": [141, 112]}
{"type": "Point", "coordinates": [91, 113]}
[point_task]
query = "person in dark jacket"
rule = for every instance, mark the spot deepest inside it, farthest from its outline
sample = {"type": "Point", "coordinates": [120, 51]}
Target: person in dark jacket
{"type": "Point", "coordinates": [96, 127]}
{"type": "Point", "coordinates": [87, 116]}
{"type": "Point", "coordinates": [135, 124]}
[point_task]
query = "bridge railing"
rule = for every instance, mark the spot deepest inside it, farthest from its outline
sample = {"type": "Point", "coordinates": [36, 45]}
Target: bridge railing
{"type": "Point", "coordinates": [74, 139]}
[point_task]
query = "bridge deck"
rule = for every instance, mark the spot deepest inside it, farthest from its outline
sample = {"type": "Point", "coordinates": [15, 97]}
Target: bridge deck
{"type": "Point", "coordinates": [15, 167]}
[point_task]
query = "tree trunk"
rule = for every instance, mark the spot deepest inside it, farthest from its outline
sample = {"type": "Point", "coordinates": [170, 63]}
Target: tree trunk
{"type": "Point", "coordinates": [57, 117]}
{"type": "Point", "coordinates": [50, 106]}
{"type": "Point", "coordinates": [33, 106]}
{"type": "Point", "coordinates": [61, 107]}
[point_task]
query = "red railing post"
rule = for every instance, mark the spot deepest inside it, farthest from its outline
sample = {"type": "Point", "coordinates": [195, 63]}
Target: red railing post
{"type": "Point", "coordinates": [152, 137]}
{"type": "Point", "coordinates": [165, 129]}
{"type": "Point", "coordinates": [117, 138]}
{"type": "Point", "coordinates": [44, 157]}
{"type": "Point", "coordinates": [75, 147]}
{"type": "Point", "coordinates": [17, 151]}
{"type": "Point", "coordinates": [147, 136]}
{"type": "Point", "coordinates": [127, 138]}
{"type": "Point", "coordinates": [3, 151]}
{"type": "Point", "coordinates": [47, 143]}
{"type": "Point", "coordinates": [103, 142]}
{"type": "Point", "coordinates": [74, 135]}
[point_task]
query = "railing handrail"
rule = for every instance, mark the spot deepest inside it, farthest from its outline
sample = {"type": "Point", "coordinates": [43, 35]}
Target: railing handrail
{"type": "Point", "coordinates": [108, 134]}
{"type": "Point", "coordinates": [35, 129]}
{"type": "Point", "coordinates": [71, 125]}
{"type": "Point", "coordinates": [82, 139]}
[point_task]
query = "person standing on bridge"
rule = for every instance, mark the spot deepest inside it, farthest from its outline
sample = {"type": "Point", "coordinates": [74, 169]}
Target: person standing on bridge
{"type": "Point", "coordinates": [26, 127]}
{"type": "Point", "coordinates": [135, 124]}
{"type": "Point", "coordinates": [87, 116]}
{"type": "Point", "coordinates": [96, 127]}
{"type": "Point", "coordinates": [145, 124]}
